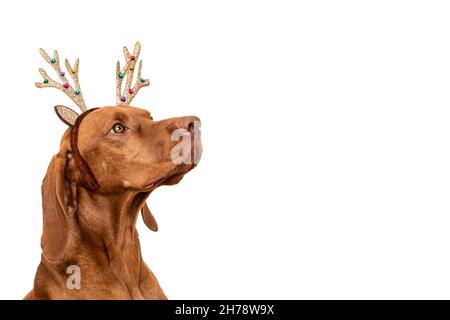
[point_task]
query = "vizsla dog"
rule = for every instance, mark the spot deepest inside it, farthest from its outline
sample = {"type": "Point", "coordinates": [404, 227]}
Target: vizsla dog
{"type": "Point", "coordinates": [110, 160]}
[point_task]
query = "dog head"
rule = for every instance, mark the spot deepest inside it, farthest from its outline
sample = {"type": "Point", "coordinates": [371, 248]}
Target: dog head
{"type": "Point", "coordinates": [125, 148]}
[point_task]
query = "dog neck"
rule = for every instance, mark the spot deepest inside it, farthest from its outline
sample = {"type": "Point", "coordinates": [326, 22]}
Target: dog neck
{"type": "Point", "coordinates": [107, 227]}
{"type": "Point", "coordinates": [109, 218]}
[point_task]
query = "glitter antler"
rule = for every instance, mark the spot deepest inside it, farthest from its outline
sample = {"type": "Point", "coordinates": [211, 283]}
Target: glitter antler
{"type": "Point", "coordinates": [74, 94]}
{"type": "Point", "coordinates": [128, 70]}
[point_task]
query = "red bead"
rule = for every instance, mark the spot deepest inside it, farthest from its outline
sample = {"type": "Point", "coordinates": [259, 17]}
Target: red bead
{"type": "Point", "coordinates": [132, 58]}
{"type": "Point", "coordinates": [131, 91]}
{"type": "Point", "coordinates": [66, 85]}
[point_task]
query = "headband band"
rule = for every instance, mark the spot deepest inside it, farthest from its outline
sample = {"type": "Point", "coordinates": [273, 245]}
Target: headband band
{"type": "Point", "coordinates": [81, 164]}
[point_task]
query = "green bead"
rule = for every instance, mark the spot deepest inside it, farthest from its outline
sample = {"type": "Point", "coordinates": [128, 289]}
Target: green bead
{"type": "Point", "coordinates": [53, 60]}
{"type": "Point", "coordinates": [142, 80]}
{"type": "Point", "coordinates": [45, 80]}
{"type": "Point", "coordinates": [77, 92]}
{"type": "Point", "coordinates": [120, 75]}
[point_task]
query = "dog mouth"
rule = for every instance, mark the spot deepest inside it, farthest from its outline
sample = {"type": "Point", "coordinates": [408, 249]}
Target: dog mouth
{"type": "Point", "coordinates": [175, 178]}
{"type": "Point", "coordinates": [172, 177]}
{"type": "Point", "coordinates": [152, 184]}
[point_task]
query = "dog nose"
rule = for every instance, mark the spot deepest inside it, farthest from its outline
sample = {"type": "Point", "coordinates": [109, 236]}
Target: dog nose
{"type": "Point", "coordinates": [188, 123]}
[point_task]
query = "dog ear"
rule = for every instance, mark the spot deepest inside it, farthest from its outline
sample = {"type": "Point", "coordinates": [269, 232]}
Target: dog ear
{"type": "Point", "coordinates": [58, 204]}
{"type": "Point", "coordinates": [66, 115]}
{"type": "Point", "coordinates": [148, 218]}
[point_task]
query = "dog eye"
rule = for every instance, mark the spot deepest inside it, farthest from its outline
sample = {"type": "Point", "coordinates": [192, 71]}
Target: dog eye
{"type": "Point", "coordinates": [117, 128]}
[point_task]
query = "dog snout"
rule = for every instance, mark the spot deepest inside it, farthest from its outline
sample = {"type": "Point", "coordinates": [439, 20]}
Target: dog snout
{"type": "Point", "coordinates": [182, 124]}
{"type": "Point", "coordinates": [189, 127]}
{"type": "Point", "coordinates": [187, 123]}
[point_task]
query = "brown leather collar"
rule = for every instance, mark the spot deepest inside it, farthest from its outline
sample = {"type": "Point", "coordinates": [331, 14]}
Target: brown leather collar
{"type": "Point", "coordinates": [82, 165]}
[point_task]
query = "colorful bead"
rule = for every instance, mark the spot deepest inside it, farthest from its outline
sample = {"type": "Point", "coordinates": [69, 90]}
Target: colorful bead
{"type": "Point", "coordinates": [45, 80]}
{"type": "Point", "coordinates": [120, 75]}
{"type": "Point", "coordinates": [131, 68]}
{"type": "Point", "coordinates": [123, 99]}
{"type": "Point", "coordinates": [66, 85]}
{"type": "Point", "coordinates": [77, 92]}
{"type": "Point", "coordinates": [131, 91]}
{"type": "Point", "coordinates": [53, 60]}
{"type": "Point", "coordinates": [62, 73]}
{"type": "Point", "coordinates": [142, 80]}
{"type": "Point", "coordinates": [132, 58]}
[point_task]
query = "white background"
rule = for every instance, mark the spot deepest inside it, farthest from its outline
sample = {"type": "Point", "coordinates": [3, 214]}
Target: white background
{"type": "Point", "coordinates": [326, 167]}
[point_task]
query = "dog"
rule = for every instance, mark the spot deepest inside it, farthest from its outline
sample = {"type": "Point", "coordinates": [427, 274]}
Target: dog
{"type": "Point", "coordinates": [94, 232]}
{"type": "Point", "coordinates": [110, 160]}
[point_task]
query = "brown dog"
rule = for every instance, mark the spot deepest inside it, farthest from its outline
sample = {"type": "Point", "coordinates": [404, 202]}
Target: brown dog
{"type": "Point", "coordinates": [93, 231]}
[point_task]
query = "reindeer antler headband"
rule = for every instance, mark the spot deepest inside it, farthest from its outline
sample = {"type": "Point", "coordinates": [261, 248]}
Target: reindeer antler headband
{"type": "Point", "coordinates": [73, 119]}
{"type": "Point", "coordinates": [123, 98]}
